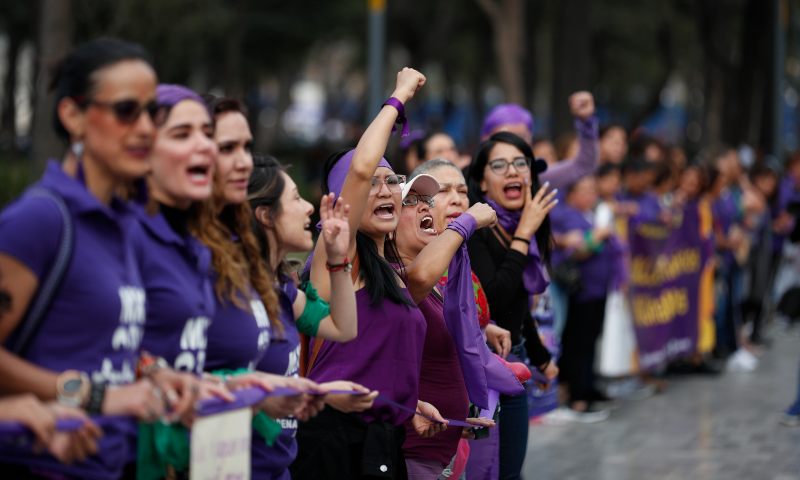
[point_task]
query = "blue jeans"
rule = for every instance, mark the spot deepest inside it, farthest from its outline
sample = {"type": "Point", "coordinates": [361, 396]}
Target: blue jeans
{"type": "Point", "coordinates": [795, 408]}
{"type": "Point", "coordinates": [513, 426]}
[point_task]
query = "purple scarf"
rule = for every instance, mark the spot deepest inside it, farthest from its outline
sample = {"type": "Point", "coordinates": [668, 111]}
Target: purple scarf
{"type": "Point", "coordinates": [482, 370]}
{"type": "Point", "coordinates": [534, 277]}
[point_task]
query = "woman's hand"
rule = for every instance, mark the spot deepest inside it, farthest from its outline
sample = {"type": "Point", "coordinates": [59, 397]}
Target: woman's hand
{"type": "Point", "coordinates": [345, 402]}
{"type": "Point", "coordinates": [181, 391]}
{"type": "Point", "coordinates": [581, 105]}
{"type": "Point", "coordinates": [29, 411]}
{"type": "Point", "coordinates": [408, 82]}
{"type": "Point", "coordinates": [484, 215]}
{"type": "Point", "coordinates": [69, 447]}
{"type": "Point", "coordinates": [427, 428]}
{"type": "Point", "coordinates": [499, 338]}
{"type": "Point", "coordinates": [335, 227]}
{"type": "Point", "coordinates": [142, 400]}
{"type": "Point", "coordinates": [479, 422]}
{"type": "Point", "coordinates": [535, 210]}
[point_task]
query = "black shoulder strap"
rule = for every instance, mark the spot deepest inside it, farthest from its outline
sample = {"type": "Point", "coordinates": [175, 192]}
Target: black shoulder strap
{"type": "Point", "coordinates": [48, 286]}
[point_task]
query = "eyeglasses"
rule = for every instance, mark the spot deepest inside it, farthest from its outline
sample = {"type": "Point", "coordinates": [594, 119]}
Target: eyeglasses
{"type": "Point", "coordinates": [126, 111]}
{"type": "Point", "coordinates": [393, 182]}
{"type": "Point", "coordinates": [500, 165]}
{"type": "Point", "coordinates": [412, 199]}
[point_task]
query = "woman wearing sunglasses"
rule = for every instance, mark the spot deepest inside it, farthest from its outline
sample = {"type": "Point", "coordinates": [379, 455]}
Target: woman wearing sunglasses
{"type": "Point", "coordinates": [386, 354]}
{"type": "Point", "coordinates": [84, 347]}
{"type": "Point", "coordinates": [510, 261]}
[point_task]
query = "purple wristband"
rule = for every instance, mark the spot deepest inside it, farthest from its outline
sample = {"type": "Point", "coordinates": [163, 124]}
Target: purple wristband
{"type": "Point", "coordinates": [465, 225]}
{"type": "Point", "coordinates": [401, 114]}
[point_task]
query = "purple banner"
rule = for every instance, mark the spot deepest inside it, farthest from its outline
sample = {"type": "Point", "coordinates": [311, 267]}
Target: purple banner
{"type": "Point", "coordinates": [666, 263]}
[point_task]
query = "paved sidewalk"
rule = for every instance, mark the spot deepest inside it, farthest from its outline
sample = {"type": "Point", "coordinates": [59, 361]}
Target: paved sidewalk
{"type": "Point", "coordinates": [702, 427]}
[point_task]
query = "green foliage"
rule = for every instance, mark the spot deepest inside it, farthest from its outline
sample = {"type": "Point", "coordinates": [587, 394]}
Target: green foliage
{"type": "Point", "coordinates": [15, 176]}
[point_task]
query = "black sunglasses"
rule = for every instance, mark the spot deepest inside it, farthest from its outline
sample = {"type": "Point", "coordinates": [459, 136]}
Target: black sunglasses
{"type": "Point", "coordinates": [126, 111]}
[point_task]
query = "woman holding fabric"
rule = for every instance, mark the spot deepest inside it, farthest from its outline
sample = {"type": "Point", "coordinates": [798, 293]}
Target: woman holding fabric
{"type": "Point", "coordinates": [386, 354]}
{"type": "Point", "coordinates": [425, 249]}
{"type": "Point", "coordinates": [510, 261]}
{"type": "Point", "coordinates": [281, 222]}
{"type": "Point", "coordinates": [104, 107]}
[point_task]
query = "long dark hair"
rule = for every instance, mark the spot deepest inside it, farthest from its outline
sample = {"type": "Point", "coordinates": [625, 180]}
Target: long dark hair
{"type": "Point", "coordinates": [74, 75]}
{"type": "Point", "coordinates": [264, 189]}
{"type": "Point", "coordinates": [380, 279]}
{"type": "Point", "coordinates": [475, 176]}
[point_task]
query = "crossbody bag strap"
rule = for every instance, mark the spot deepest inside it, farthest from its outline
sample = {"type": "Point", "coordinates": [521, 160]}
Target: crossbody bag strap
{"type": "Point", "coordinates": [52, 281]}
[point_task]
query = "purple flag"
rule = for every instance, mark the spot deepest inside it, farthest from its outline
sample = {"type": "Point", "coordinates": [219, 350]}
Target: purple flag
{"type": "Point", "coordinates": [482, 370]}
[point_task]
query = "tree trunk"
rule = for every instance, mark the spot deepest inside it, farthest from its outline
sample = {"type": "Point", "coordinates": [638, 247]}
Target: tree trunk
{"type": "Point", "coordinates": [54, 42]}
{"type": "Point", "coordinates": [8, 131]}
{"type": "Point", "coordinates": [571, 58]}
{"type": "Point", "coordinates": [508, 25]}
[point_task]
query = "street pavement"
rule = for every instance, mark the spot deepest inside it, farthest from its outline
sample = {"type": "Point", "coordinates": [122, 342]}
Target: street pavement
{"type": "Point", "coordinates": [702, 427]}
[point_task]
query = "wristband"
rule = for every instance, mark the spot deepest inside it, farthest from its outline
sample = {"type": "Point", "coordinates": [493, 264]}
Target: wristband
{"type": "Point", "coordinates": [465, 225]}
{"type": "Point", "coordinates": [521, 239]}
{"type": "Point", "coordinates": [97, 395]}
{"type": "Point", "coordinates": [345, 266]}
{"type": "Point", "coordinates": [401, 115]}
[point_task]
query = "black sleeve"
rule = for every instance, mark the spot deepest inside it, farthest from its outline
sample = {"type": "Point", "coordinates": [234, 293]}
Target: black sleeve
{"type": "Point", "coordinates": [500, 282]}
{"type": "Point", "coordinates": [537, 352]}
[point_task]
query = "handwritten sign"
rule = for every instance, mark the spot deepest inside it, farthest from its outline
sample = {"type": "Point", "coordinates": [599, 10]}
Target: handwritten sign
{"type": "Point", "coordinates": [221, 446]}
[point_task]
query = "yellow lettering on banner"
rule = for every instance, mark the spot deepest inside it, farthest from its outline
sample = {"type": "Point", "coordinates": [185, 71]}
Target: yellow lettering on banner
{"type": "Point", "coordinates": [647, 273]}
{"type": "Point", "coordinates": [648, 230]}
{"type": "Point", "coordinates": [651, 311]}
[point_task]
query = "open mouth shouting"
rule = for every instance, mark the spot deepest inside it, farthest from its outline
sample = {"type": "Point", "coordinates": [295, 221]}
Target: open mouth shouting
{"type": "Point", "coordinates": [513, 190]}
{"type": "Point", "coordinates": [426, 225]}
{"type": "Point", "coordinates": [200, 173]}
{"type": "Point", "coordinates": [384, 211]}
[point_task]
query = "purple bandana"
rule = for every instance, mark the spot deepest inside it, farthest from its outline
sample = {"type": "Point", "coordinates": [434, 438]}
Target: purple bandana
{"type": "Point", "coordinates": [506, 114]}
{"type": "Point", "coordinates": [534, 277]}
{"type": "Point", "coordinates": [169, 95]}
{"type": "Point", "coordinates": [339, 172]}
{"type": "Point", "coordinates": [482, 370]}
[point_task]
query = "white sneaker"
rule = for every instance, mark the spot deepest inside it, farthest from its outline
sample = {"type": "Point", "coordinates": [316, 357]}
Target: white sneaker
{"type": "Point", "coordinates": [790, 420]}
{"type": "Point", "coordinates": [564, 415]}
{"type": "Point", "coordinates": [742, 361]}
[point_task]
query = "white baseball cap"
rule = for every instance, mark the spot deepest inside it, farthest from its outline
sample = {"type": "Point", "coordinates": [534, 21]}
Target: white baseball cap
{"type": "Point", "coordinates": [423, 184]}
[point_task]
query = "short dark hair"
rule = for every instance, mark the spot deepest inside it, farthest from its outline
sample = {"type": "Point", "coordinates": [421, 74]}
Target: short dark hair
{"type": "Point", "coordinates": [73, 76]}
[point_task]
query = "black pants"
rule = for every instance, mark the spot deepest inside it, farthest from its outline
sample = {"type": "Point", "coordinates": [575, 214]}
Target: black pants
{"type": "Point", "coordinates": [582, 329]}
{"type": "Point", "coordinates": [339, 445]}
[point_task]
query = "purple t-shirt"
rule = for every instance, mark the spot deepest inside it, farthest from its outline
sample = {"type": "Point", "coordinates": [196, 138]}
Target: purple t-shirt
{"type": "Point", "coordinates": [95, 321]}
{"type": "Point", "coordinates": [180, 300]}
{"type": "Point", "coordinates": [386, 356]}
{"type": "Point", "coordinates": [597, 270]}
{"type": "Point", "coordinates": [282, 358]}
{"type": "Point", "coordinates": [237, 337]}
{"type": "Point", "coordinates": [441, 384]}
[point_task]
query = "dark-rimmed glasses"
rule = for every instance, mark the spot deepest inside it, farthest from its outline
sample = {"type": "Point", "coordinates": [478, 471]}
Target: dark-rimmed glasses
{"type": "Point", "coordinates": [500, 165]}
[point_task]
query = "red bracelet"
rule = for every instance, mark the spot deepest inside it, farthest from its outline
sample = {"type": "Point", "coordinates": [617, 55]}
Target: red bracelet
{"type": "Point", "coordinates": [344, 266]}
{"type": "Point", "coordinates": [148, 364]}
